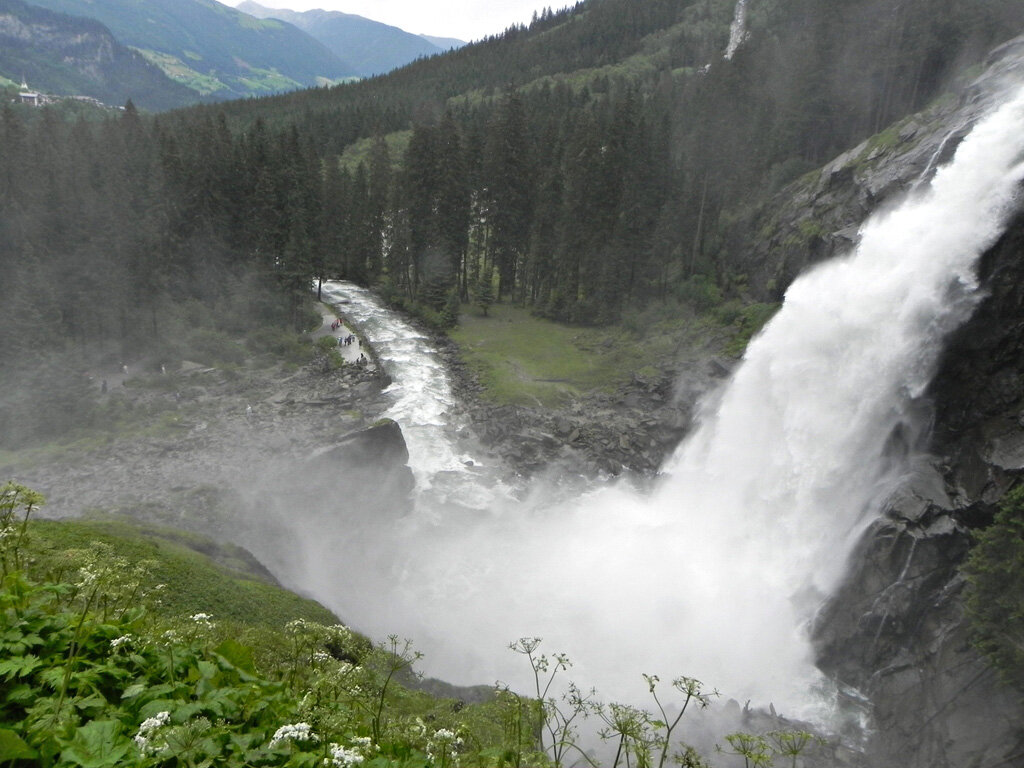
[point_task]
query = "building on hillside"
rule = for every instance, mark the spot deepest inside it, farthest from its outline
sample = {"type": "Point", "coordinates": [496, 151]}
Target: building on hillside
{"type": "Point", "coordinates": [33, 99]}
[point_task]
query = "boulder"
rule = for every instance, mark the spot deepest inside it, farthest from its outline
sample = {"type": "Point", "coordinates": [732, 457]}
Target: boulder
{"type": "Point", "coordinates": [378, 457]}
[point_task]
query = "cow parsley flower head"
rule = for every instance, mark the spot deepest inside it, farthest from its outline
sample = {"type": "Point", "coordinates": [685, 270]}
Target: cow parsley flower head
{"type": "Point", "coordinates": [342, 757]}
{"type": "Point", "coordinates": [145, 738]}
{"type": "Point", "coordinates": [117, 642]}
{"type": "Point", "coordinates": [443, 747]}
{"type": "Point", "coordinates": [86, 578]}
{"type": "Point", "coordinates": [365, 743]}
{"type": "Point", "coordinates": [294, 732]}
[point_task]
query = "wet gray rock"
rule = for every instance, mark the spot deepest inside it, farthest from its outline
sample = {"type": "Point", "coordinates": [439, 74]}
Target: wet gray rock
{"type": "Point", "coordinates": [368, 467]}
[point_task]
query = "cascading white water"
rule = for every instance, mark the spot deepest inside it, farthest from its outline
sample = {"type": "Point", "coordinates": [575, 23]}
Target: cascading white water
{"type": "Point", "coordinates": [422, 402]}
{"type": "Point", "coordinates": [738, 29]}
{"type": "Point", "coordinates": [716, 572]}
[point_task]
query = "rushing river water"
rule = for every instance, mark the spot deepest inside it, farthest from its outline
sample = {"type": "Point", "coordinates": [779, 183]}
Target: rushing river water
{"type": "Point", "coordinates": [717, 571]}
{"type": "Point", "coordinates": [447, 471]}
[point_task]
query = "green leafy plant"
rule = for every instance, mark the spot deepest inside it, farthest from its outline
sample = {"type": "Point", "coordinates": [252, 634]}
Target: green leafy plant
{"type": "Point", "coordinates": [995, 601]}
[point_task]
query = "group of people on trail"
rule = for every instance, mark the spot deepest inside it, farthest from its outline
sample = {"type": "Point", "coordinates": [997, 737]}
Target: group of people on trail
{"type": "Point", "coordinates": [348, 340]}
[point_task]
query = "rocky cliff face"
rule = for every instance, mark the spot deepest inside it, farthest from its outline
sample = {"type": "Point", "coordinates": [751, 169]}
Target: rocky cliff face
{"type": "Point", "coordinates": [819, 215]}
{"type": "Point", "coordinates": [896, 632]}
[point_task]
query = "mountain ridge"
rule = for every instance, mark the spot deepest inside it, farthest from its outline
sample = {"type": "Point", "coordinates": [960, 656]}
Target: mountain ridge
{"type": "Point", "coordinates": [371, 47]}
{"type": "Point", "coordinates": [212, 48]}
{"type": "Point", "coordinates": [72, 56]}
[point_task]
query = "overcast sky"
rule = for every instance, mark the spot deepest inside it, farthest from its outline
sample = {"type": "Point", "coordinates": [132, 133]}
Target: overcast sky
{"type": "Point", "coordinates": [465, 19]}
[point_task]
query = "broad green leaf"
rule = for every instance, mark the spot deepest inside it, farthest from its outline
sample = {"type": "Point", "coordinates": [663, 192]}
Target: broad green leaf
{"type": "Point", "coordinates": [21, 694]}
{"type": "Point", "coordinates": [207, 669]}
{"type": "Point", "coordinates": [134, 690]}
{"type": "Point", "coordinates": [237, 655]}
{"type": "Point", "coordinates": [18, 666]}
{"type": "Point", "coordinates": [98, 744]}
{"type": "Point", "coordinates": [53, 677]}
{"type": "Point", "coordinates": [13, 747]}
{"type": "Point", "coordinates": [151, 708]}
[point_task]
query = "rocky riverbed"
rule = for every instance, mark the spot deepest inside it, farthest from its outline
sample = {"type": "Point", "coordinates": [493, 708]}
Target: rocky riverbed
{"type": "Point", "coordinates": [197, 433]}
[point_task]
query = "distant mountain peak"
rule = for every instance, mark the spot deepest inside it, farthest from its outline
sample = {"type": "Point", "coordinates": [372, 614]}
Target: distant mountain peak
{"type": "Point", "coordinates": [371, 47]}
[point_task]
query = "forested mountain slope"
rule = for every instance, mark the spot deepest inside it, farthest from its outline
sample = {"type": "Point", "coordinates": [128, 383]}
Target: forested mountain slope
{"type": "Point", "coordinates": [214, 49]}
{"type": "Point", "coordinates": [64, 55]}
{"type": "Point", "coordinates": [607, 155]}
{"type": "Point", "coordinates": [607, 158]}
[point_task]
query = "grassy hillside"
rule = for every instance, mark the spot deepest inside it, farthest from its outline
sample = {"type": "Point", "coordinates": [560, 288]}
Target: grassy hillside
{"type": "Point", "coordinates": [201, 575]}
{"type": "Point", "coordinates": [235, 54]}
{"type": "Point", "coordinates": [524, 359]}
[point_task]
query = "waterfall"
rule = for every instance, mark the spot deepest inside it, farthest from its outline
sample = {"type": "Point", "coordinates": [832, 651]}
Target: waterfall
{"type": "Point", "coordinates": [738, 29]}
{"type": "Point", "coordinates": [716, 572]}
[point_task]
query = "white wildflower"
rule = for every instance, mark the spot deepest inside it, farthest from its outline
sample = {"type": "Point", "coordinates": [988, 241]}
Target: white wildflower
{"type": "Point", "coordinates": [322, 657]}
{"type": "Point", "coordinates": [86, 578]}
{"type": "Point", "coordinates": [117, 642]}
{"type": "Point", "coordinates": [340, 632]}
{"type": "Point", "coordinates": [144, 739]}
{"type": "Point", "coordinates": [294, 732]}
{"type": "Point", "coordinates": [444, 744]}
{"type": "Point", "coordinates": [342, 757]}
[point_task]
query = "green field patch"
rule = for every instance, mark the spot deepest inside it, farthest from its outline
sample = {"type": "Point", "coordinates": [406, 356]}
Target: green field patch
{"type": "Point", "coordinates": [201, 575]}
{"type": "Point", "coordinates": [267, 80]}
{"type": "Point", "coordinates": [181, 72]}
{"type": "Point", "coordinates": [521, 358]}
{"type": "Point", "coordinates": [525, 359]}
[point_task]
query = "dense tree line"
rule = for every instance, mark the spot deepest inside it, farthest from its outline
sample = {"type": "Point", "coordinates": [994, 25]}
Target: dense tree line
{"type": "Point", "coordinates": [599, 157]}
{"type": "Point", "coordinates": [575, 192]}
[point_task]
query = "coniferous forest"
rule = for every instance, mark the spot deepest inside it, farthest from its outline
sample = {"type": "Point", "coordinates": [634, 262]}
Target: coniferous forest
{"type": "Point", "coordinates": [605, 157]}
